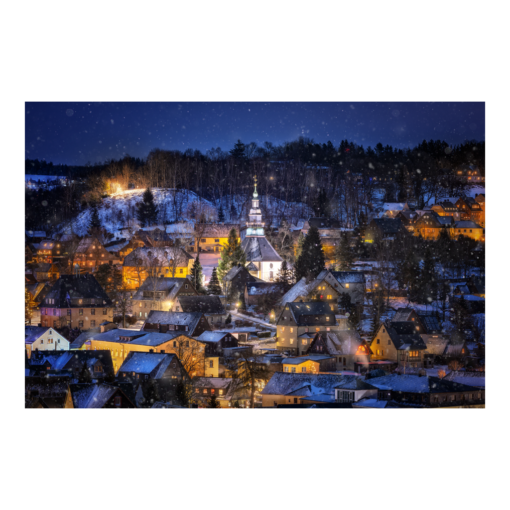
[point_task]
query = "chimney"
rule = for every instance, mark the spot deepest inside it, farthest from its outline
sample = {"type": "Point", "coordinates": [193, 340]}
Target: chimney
{"type": "Point", "coordinates": [151, 350]}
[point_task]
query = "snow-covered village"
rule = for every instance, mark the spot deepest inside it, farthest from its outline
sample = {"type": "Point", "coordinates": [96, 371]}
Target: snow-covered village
{"type": "Point", "coordinates": [296, 274]}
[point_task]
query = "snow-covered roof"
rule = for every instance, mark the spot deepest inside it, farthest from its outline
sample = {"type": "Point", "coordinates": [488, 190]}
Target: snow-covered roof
{"type": "Point", "coordinates": [212, 336]}
{"type": "Point", "coordinates": [157, 257]}
{"type": "Point", "coordinates": [258, 249]}
{"type": "Point", "coordinates": [342, 343]}
{"type": "Point", "coordinates": [155, 339]}
{"type": "Point", "coordinates": [417, 384]}
{"type": "Point", "coordinates": [285, 383]}
{"type": "Point", "coordinates": [91, 396]}
{"type": "Point", "coordinates": [146, 363]}
{"type": "Point", "coordinates": [212, 382]}
{"type": "Point", "coordinates": [303, 359]}
{"type": "Point", "coordinates": [475, 379]}
{"type": "Point", "coordinates": [170, 286]}
{"type": "Point", "coordinates": [466, 224]}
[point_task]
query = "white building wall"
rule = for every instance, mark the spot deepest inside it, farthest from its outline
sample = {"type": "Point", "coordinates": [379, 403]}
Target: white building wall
{"type": "Point", "coordinates": [59, 343]}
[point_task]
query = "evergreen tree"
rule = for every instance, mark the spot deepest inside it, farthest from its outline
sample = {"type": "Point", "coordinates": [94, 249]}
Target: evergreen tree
{"type": "Point", "coordinates": [344, 254]}
{"type": "Point", "coordinates": [284, 276]}
{"type": "Point", "coordinates": [109, 277]}
{"type": "Point", "coordinates": [232, 255]}
{"type": "Point", "coordinates": [214, 288]}
{"type": "Point", "coordinates": [233, 212]}
{"type": "Point", "coordinates": [228, 320]}
{"type": "Point", "coordinates": [239, 150]}
{"type": "Point", "coordinates": [311, 261]}
{"type": "Point", "coordinates": [84, 376]}
{"type": "Point", "coordinates": [196, 275]}
{"type": "Point", "coordinates": [408, 273]}
{"type": "Point", "coordinates": [221, 215]}
{"type": "Point", "coordinates": [147, 212]}
{"type": "Point", "coordinates": [28, 310]}
{"type": "Point", "coordinates": [95, 222]}
{"type": "Point", "coordinates": [428, 282]}
{"type": "Point", "coordinates": [321, 204]}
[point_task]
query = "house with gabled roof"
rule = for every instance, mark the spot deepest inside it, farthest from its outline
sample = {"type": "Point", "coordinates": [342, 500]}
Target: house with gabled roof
{"type": "Point", "coordinates": [160, 294]}
{"type": "Point", "coordinates": [211, 306]}
{"type": "Point", "coordinates": [430, 225]}
{"type": "Point", "coordinates": [44, 339]}
{"type": "Point", "coordinates": [90, 254]}
{"type": "Point", "coordinates": [311, 363]}
{"type": "Point", "coordinates": [145, 366]}
{"type": "Point", "coordinates": [324, 288]}
{"type": "Point", "coordinates": [100, 396]}
{"type": "Point", "coordinates": [235, 281]}
{"type": "Point", "coordinates": [48, 392]}
{"type": "Point", "coordinates": [467, 228]}
{"type": "Point", "coordinates": [298, 322]}
{"type": "Point", "coordinates": [76, 302]}
{"type": "Point", "coordinates": [348, 349]}
{"type": "Point", "coordinates": [353, 389]}
{"type": "Point", "coordinates": [212, 237]}
{"type": "Point", "coordinates": [206, 387]}
{"type": "Point", "coordinates": [290, 388]}
{"type": "Point", "coordinates": [190, 323]}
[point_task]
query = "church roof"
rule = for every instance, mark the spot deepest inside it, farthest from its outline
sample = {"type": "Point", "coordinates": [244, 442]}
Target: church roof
{"type": "Point", "coordinates": [258, 249]}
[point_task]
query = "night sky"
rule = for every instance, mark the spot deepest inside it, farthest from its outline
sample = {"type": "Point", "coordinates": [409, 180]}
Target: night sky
{"type": "Point", "coordinates": [77, 133]}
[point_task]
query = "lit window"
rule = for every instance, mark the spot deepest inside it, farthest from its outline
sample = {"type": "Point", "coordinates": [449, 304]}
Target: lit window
{"type": "Point", "coordinates": [346, 285]}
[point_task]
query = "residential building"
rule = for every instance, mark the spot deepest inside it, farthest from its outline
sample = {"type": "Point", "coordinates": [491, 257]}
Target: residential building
{"type": "Point", "coordinates": [353, 389]}
{"type": "Point", "coordinates": [352, 283]}
{"type": "Point", "coordinates": [154, 366]}
{"type": "Point", "coordinates": [100, 396]}
{"type": "Point", "coordinates": [311, 364]}
{"type": "Point", "coordinates": [211, 306]}
{"type": "Point", "coordinates": [44, 339]}
{"type": "Point", "coordinates": [348, 350]}
{"type": "Point", "coordinates": [325, 288]}
{"type": "Point", "coordinates": [469, 229]}
{"type": "Point", "coordinates": [192, 324]}
{"type": "Point", "coordinates": [77, 302]}
{"type": "Point", "coordinates": [235, 281]}
{"type": "Point", "coordinates": [159, 293]}
{"type": "Point", "coordinates": [263, 260]}
{"type": "Point", "coordinates": [144, 262]}
{"type": "Point", "coordinates": [90, 254]}
{"type": "Point", "coordinates": [48, 392]}
{"type": "Point", "coordinates": [424, 391]}
{"type": "Point", "coordinates": [298, 322]}
{"type": "Point", "coordinates": [98, 363]}
{"type": "Point", "coordinates": [290, 388]}
{"type": "Point", "coordinates": [212, 237]}
{"type": "Point", "coordinates": [430, 225]}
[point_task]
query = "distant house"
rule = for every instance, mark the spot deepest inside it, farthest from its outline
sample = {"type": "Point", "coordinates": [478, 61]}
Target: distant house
{"type": "Point", "coordinates": [290, 388]}
{"type": "Point", "coordinates": [235, 280]}
{"type": "Point", "coordinates": [211, 306]}
{"type": "Point", "coordinates": [469, 229]}
{"type": "Point", "coordinates": [205, 387]}
{"type": "Point", "coordinates": [312, 364]}
{"type": "Point", "coordinates": [76, 301]}
{"type": "Point", "coordinates": [324, 288]}
{"type": "Point", "coordinates": [469, 173]}
{"type": "Point", "coordinates": [48, 392]}
{"type": "Point", "coordinates": [384, 229]}
{"type": "Point", "coordinates": [160, 294]}
{"type": "Point", "coordinates": [329, 231]}
{"type": "Point", "coordinates": [90, 254]}
{"type": "Point", "coordinates": [44, 339]}
{"type": "Point", "coordinates": [255, 292]}
{"type": "Point", "coordinates": [100, 396]}
{"type": "Point", "coordinates": [430, 225]}
{"type": "Point", "coordinates": [470, 210]}
{"type": "Point", "coordinates": [298, 322]}
{"type": "Point", "coordinates": [348, 349]}
{"type": "Point", "coordinates": [216, 343]}
{"type": "Point", "coordinates": [45, 271]}
{"type": "Point", "coordinates": [353, 389]}
{"type": "Point", "coordinates": [97, 363]}
{"type": "Point", "coordinates": [392, 209]}
{"type": "Point", "coordinates": [399, 342]}
{"type": "Point", "coordinates": [408, 218]}
{"type": "Point", "coordinates": [144, 262]}
{"type": "Point", "coordinates": [423, 391]}
{"type": "Point", "coordinates": [192, 324]}
{"type": "Point", "coordinates": [446, 208]}
{"type": "Point", "coordinates": [49, 251]}
{"type": "Point", "coordinates": [352, 283]}
{"type": "Point", "coordinates": [145, 366]}
{"type": "Point", "coordinates": [212, 237]}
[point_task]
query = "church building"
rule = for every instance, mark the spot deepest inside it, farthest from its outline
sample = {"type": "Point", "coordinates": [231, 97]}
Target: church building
{"type": "Point", "coordinates": [262, 259]}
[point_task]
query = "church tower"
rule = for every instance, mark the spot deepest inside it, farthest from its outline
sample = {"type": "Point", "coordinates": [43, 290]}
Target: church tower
{"type": "Point", "coordinates": [255, 224]}
{"type": "Point", "coordinates": [263, 260]}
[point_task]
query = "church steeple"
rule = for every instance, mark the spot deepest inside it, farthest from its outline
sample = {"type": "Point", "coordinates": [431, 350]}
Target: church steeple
{"type": "Point", "coordinates": [255, 225]}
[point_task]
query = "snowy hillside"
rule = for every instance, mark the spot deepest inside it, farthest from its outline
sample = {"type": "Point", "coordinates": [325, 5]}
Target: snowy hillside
{"type": "Point", "coordinates": [118, 212]}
